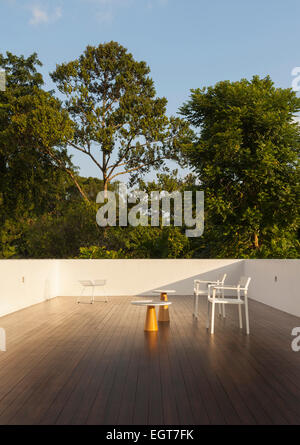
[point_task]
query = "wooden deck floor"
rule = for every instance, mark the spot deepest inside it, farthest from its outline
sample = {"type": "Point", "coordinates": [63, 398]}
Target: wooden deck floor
{"type": "Point", "coordinates": [93, 364]}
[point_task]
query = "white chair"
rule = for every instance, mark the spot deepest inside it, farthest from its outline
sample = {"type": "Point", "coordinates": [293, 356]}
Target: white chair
{"type": "Point", "coordinates": [91, 284]}
{"type": "Point", "coordinates": [242, 287]}
{"type": "Point", "coordinates": [198, 291]}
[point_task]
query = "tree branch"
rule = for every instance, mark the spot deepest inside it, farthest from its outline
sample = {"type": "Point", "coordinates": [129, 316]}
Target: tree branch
{"type": "Point", "coordinates": [134, 169]}
{"type": "Point", "coordinates": [117, 164]}
{"type": "Point", "coordinates": [69, 172]}
{"type": "Point", "coordinates": [87, 153]}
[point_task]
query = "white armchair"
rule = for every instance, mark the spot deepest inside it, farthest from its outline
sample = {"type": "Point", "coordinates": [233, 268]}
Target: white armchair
{"type": "Point", "coordinates": [241, 287]}
{"type": "Point", "coordinates": [203, 287]}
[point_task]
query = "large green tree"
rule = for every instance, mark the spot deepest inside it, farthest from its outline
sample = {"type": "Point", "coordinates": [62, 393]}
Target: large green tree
{"type": "Point", "coordinates": [119, 122]}
{"type": "Point", "coordinates": [246, 157]}
{"type": "Point", "coordinates": [32, 119]}
{"type": "Point", "coordinates": [35, 169]}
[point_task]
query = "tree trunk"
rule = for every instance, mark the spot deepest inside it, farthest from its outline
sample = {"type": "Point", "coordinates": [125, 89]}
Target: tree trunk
{"type": "Point", "coordinates": [105, 186]}
{"type": "Point", "coordinates": [256, 244]}
{"type": "Point", "coordinates": [86, 199]}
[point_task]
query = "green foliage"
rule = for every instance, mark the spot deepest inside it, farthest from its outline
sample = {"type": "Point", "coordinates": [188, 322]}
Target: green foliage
{"type": "Point", "coordinates": [168, 182]}
{"type": "Point", "coordinates": [119, 122]}
{"type": "Point", "coordinates": [149, 242]}
{"type": "Point", "coordinates": [61, 235]}
{"type": "Point", "coordinates": [30, 181]}
{"type": "Point", "coordinates": [246, 158]}
{"type": "Point", "coordinates": [98, 252]}
{"type": "Point", "coordinates": [10, 234]}
{"type": "Point", "coordinates": [36, 173]}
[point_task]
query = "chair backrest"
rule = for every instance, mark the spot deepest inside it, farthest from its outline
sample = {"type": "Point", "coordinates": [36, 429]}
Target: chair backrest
{"type": "Point", "coordinates": [244, 282]}
{"type": "Point", "coordinates": [222, 279]}
{"type": "Point", "coordinates": [86, 282]}
{"type": "Point", "coordinates": [99, 282]}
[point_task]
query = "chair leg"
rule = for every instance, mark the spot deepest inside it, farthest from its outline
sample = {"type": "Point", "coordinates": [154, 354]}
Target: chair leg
{"type": "Point", "coordinates": [218, 295]}
{"type": "Point", "coordinates": [93, 295]}
{"type": "Point", "coordinates": [81, 295]}
{"type": "Point", "coordinates": [104, 298]}
{"type": "Point", "coordinates": [196, 305]}
{"type": "Point", "coordinates": [223, 306]}
{"type": "Point", "coordinates": [247, 316]}
{"type": "Point", "coordinates": [194, 310]}
{"type": "Point", "coordinates": [240, 316]}
{"type": "Point", "coordinates": [207, 319]}
{"type": "Point", "coordinates": [212, 318]}
{"type": "Point", "coordinates": [223, 310]}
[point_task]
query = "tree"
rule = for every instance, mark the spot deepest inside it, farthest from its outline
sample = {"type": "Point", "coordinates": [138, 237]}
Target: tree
{"type": "Point", "coordinates": [119, 123]}
{"type": "Point", "coordinates": [246, 157]}
{"type": "Point", "coordinates": [32, 120]}
{"type": "Point", "coordinates": [35, 169]}
{"type": "Point", "coordinates": [29, 178]}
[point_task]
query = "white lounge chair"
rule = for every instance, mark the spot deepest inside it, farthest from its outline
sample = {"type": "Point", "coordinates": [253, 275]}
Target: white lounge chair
{"type": "Point", "coordinates": [91, 284]}
{"type": "Point", "coordinates": [242, 287]}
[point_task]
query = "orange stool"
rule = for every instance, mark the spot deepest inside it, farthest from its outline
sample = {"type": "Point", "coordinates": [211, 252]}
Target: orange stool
{"type": "Point", "coordinates": [151, 322]}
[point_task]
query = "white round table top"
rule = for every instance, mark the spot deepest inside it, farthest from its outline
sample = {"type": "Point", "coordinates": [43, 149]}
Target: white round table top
{"type": "Point", "coordinates": [142, 301]}
{"type": "Point", "coordinates": [151, 303]}
{"type": "Point", "coordinates": [166, 291]}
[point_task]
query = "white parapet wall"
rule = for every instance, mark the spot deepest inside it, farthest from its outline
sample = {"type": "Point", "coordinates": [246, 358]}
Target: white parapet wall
{"type": "Point", "coordinates": [136, 277]}
{"type": "Point", "coordinates": [24, 283]}
{"type": "Point", "coordinates": [275, 283]}
{"type": "Point", "coordinates": [28, 282]}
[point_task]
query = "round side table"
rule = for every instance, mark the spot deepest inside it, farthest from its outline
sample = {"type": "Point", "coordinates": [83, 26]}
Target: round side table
{"type": "Point", "coordinates": [163, 315]}
{"type": "Point", "coordinates": [151, 322]}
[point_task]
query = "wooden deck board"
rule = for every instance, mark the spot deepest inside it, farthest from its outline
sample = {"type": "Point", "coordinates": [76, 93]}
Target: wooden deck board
{"type": "Point", "coordinates": [93, 364]}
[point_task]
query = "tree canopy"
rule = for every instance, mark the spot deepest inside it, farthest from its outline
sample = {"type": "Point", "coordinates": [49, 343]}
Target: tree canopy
{"type": "Point", "coordinates": [246, 157]}
{"type": "Point", "coordinates": [119, 122]}
{"type": "Point", "coordinates": [34, 163]}
{"type": "Point", "coordinates": [243, 153]}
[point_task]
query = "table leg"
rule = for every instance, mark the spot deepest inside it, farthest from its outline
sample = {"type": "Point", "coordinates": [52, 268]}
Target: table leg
{"type": "Point", "coordinates": [151, 323]}
{"type": "Point", "coordinates": [164, 296]}
{"type": "Point", "coordinates": [163, 313]}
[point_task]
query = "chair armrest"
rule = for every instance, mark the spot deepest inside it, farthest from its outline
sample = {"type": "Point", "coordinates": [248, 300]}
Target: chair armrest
{"type": "Point", "coordinates": [205, 282]}
{"type": "Point", "coordinates": [226, 287]}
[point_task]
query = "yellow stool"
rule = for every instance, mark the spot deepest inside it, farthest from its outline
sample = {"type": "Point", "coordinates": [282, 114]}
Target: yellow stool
{"type": "Point", "coordinates": [151, 322]}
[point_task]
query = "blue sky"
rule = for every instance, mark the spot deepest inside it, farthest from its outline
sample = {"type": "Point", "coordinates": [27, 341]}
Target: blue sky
{"type": "Point", "coordinates": [187, 44]}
